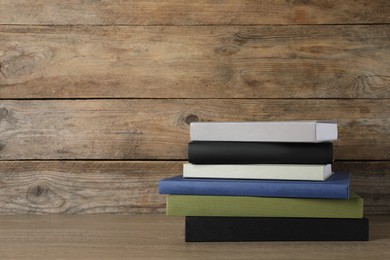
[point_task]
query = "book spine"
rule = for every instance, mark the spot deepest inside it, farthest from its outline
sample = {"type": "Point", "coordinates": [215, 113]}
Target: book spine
{"type": "Point", "coordinates": [311, 172]}
{"type": "Point", "coordinates": [227, 229]}
{"type": "Point", "coordinates": [262, 131]}
{"type": "Point", "coordinates": [240, 206]}
{"type": "Point", "coordinates": [281, 189]}
{"type": "Point", "coordinates": [209, 152]}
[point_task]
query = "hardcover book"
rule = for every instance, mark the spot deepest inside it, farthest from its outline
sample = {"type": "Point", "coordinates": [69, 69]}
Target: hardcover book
{"type": "Point", "coordinates": [311, 172]}
{"type": "Point", "coordinates": [217, 152]}
{"type": "Point", "coordinates": [242, 206]}
{"type": "Point", "coordinates": [229, 229]}
{"type": "Point", "coordinates": [335, 187]}
{"type": "Point", "coordinates": [266, 131]}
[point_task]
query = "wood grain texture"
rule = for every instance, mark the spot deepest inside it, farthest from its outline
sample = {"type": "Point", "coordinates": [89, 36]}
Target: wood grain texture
{"type": "Point", "coordinates": [83, 187]}
{"type": "Point", "coordinates": [131, 187]}
{"type": "Point", "coordinates": [159, 128]}
{"type": "Point", "coordinates": [161, 237]}
{"type": "Point", "coordinates": [344, 61]}
{"type": "Point", "coordinates": [283, 60]}
{"type": "Point", "coordinates": [199, 12]}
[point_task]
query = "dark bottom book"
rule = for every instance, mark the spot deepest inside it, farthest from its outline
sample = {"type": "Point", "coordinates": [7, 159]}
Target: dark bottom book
{"type": "Point", "coordinates": [240, 229]}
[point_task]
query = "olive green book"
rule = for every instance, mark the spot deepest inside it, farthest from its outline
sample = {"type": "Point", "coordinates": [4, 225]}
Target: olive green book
{"type": "Point", "coordinates": [240, 206]}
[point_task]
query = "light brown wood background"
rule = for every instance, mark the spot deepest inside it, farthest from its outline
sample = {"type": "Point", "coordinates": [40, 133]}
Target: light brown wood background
{"type": "Point", "coordinates": [96, 97]}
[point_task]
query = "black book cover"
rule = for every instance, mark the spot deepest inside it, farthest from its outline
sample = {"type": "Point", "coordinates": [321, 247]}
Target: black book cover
{"type": "Point", "coordinates": [240, 229]}
{"type": "Point", "coordinates": [215, 152]}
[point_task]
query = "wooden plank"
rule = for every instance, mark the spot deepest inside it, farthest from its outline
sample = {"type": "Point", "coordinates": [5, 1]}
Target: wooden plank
{"type": "Point", "coordinates": [200, 12]}
{"type": "Point", "coordinates": [159, 128]}
{"type": "Point", "coordinates": [195, 62]}
{"type": "Point", "coordinates": [66, 187]}
{"type": "Point", "coordinates": [131, 187]}
{"type": "Point", "coordinates": [161, 237]}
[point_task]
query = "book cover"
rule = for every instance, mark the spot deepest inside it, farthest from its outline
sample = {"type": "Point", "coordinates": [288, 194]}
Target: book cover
{"type": "Point", "coordinates": [313, 172]}
{"type": "Point", "coordinates": [218, 152]}
{"type": "Point", "coordinates": [242, 206]}
{"type": "Point", "coordinates": [335, 187]}
{"type": "Point", "coordinates": [229, 229]}
{"type": "Point", "coordinates": [265, 131]}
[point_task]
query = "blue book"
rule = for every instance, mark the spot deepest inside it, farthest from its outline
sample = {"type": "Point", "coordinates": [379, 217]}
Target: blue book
{"type": "Point", "coordinates": [335, 187]}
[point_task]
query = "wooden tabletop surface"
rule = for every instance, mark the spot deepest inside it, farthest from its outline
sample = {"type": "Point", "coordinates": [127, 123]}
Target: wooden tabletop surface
{"type": "Point", "coordinates": [160, 237]}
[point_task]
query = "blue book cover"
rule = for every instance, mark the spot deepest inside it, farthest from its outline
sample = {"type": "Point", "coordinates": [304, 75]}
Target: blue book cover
{"type": "Point", "coordinates": [335, 187]}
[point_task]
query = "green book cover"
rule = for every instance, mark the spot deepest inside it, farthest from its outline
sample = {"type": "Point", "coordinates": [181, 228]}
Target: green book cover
{"type": "Point", "coordinates": [240, 206]}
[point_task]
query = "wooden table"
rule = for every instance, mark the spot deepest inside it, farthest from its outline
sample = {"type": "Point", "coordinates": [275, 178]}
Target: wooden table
{"type": "Point", "coordinates": [161, 237]}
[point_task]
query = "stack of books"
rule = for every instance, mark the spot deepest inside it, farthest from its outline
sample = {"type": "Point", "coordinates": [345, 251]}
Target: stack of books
{"type": "Point", "coordinates": [264, 181]}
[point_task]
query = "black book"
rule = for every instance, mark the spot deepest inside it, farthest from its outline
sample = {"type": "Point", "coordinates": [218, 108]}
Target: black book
{"type": "Point", "coordinates": [218, 152]}
{"type": "Point", "coordinates": [240, 229]}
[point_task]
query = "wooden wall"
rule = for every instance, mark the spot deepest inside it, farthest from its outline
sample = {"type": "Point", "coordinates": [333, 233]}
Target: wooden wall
{"type": "Point", "coordinates": [96, 96]}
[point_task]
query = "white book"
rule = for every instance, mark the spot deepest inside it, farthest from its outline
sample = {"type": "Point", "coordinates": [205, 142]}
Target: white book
{"type": "Point", "coordinates": [259, 171]}
{"type": "Point", "coordinates": [265, 131]}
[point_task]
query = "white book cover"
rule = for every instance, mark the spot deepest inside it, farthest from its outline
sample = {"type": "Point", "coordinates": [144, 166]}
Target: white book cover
{"type": "Point", "coordinates": [265, 131]}
{"type": "Point", "coordinates": [259, 171]}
